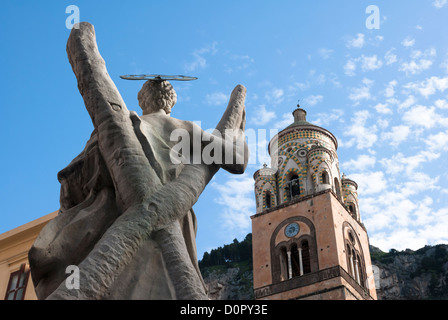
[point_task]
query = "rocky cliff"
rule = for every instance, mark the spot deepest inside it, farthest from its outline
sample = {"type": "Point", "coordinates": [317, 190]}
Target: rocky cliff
{"type": "Point", "coordinates": [232, 282]}
{"type": "Point", "coordinates": [399, 275]}
{"type": "Point", "coordinates": [411, 275]}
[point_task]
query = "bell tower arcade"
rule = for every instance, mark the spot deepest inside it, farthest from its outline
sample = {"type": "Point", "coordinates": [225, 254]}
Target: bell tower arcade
{"type": "Point", "coordinates": [308, 238]}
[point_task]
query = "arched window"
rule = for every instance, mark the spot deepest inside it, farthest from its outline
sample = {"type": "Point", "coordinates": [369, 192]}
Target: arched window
{"type": "Point", "coordinates": [355, 265]}
{"type": "Point", "coordinates": [284, 272]}
{"type": "Point", "coordinates": [295, 186]}
{"type": "Point", "coordinates": [306, 257]}
{"type": "Point", "coordinates": [349, 261]}
{"type": "Point", "coordinates": [296, 263]}
{"type": "Point", "coordinates": [338, 189]}
{"type": "Point", "coordinates": [292, 187]}
{"type": "Point", "coordinates": [352, 210]}
{"type": "Point", "coordinates": [268, 200]}
{"type": "Point", "coordinates": [325, 177]}
{"type": "Point", "coordinates": [360, 273]}
{"type": "Point", "coordinates": [351, 238]}
{"type": "Point", "coordinates": [294, 177]}
{"type": "Point", "coordinates": [295, 256]}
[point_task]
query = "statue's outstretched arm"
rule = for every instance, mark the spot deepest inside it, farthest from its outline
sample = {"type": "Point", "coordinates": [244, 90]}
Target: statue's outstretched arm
{"type": "Point", "coordinates": [228, 136]}
{"type": "Point", "coordinates": [131, 172]}
{"type": "Point", "coordinates": [232, 135]}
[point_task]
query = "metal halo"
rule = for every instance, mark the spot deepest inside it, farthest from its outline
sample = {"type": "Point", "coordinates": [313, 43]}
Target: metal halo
{"type": "Point", "coordinates": [157, 77]}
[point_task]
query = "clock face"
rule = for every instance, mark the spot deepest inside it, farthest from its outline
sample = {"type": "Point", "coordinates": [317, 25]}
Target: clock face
{"type": "Point", "coordinates": [292, 230]}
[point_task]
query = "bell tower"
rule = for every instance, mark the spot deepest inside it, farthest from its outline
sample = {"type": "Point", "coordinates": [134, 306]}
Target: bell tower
{"type": "Point", "coordinates": [308, 238]}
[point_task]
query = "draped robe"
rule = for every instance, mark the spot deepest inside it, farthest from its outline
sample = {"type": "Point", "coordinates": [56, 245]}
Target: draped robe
{"type": "Point", "coordinates": [88, 208]}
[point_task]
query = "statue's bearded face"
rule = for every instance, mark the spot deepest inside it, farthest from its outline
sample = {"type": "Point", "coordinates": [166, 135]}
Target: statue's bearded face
{"type": "Point", "coordinates": [156, 95]}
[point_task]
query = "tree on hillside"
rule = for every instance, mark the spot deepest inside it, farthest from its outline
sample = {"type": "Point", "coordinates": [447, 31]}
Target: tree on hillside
{"type": "Point", "coordinates": [234, 252]}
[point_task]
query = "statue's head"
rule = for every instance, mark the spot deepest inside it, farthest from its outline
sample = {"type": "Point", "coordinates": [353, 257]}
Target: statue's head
{"type": "Point", "coordinates": [156, 95]}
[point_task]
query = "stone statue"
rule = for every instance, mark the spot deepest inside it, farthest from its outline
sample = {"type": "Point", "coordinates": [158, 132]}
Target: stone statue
{"type": "Point", "coordinates": [126, 219]}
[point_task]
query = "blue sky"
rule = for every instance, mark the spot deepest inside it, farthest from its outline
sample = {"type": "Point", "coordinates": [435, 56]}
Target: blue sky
{"type": "Point", "coordinates": [382, 92]}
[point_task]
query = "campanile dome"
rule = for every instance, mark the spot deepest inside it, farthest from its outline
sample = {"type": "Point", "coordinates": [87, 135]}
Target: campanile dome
{"type": "Point", "coordinates": [305, 161]}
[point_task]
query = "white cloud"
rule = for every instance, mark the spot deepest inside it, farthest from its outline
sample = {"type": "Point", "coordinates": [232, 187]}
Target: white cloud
{"type": "Point", "coordinates": [287, 119]}
{"type": "Point", "coordinates": [370, 182]}
{"type": "Point", "coordinates": [390, 89]}
{"type": "Point", "coordinates": [429, 86]}
{"type": "Point", "coordinates": [441, 104]}
{"type": "Point", "coordinates": [383, 108]}
{"type": "Point", "coordinates": [429, 53]}
{"type": "Point", "coordinates": [383, 123]}
{"type": "Point", "coordinates": [315, 78]}
{"type": "Point", "coordinates": [417, 222]}
{"type": "Point", "coordinates": [361, 93]}
{"type": "Point", "coordinates": [415, 218]}
{"type": "Point", "coordinates": [275, 96]}
{"type": "Point", "coordinates": [424, 211]}
{"type": "Point", "coordinates": [200, 62]}
{"type": "Point", "coordinates": [216, 98]}
{"type": "Point", "coordinates": [313, 100]}
{"type": "Point", "coordinates": [408, 42]}
{"type": "Point", "coordinates": [435, 231]}
{"type": "Point", "coordinates": [398, 163]}
{"type": "Point", "coordinates": [262, 116]}
{"type": "Point", "coordinates": [421, 61]}
{"type": "Point", "coordinates": [393, 165]}
{"type": "Point", "coordinates": [444, 65]}
{"type": "Point", "coordinates": [439, 3]}
{"type": "Point", "coordinates": [239, 57]}
{"type": "Point", "coordinates": [407, 103]}
{"type": "Point", "coordinates": [397, 135]}
{"type": "Point", "coordinates": [370, 63]}
{"type": "Point", "coordinates": [418, 182]}
{"type": "Point", "coordinates": [403, 217]}
{"type": "Point", "coordinates": [415, 67]}
{"type": "Point", "coordinates": [361, 135]}
{"type": "Point", "coordinates": [362, 163]}
{"type": "Point", "coordinates": [421, 116]}
{"type": "Point", "coordinates": [242, 62]}
{"type": "Point", "coordinates": [394, 239]}
{"type": "Point", "coordinates": [438, 141]}
{"type": "Point", "coordinates": [299, 85]}
{"type": "Point", "coordinates": [325, 53]}
{"type": "Point", "coordinates": [237, 198]}
{"type": "Point", "coordinates": [324, 119]}
{"type": "Point", "coordinates": [350, 68]}
{"type": "Point", "coordinates": [390, 57]}
{"type": "Point", "coordinates": [357, 42]}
